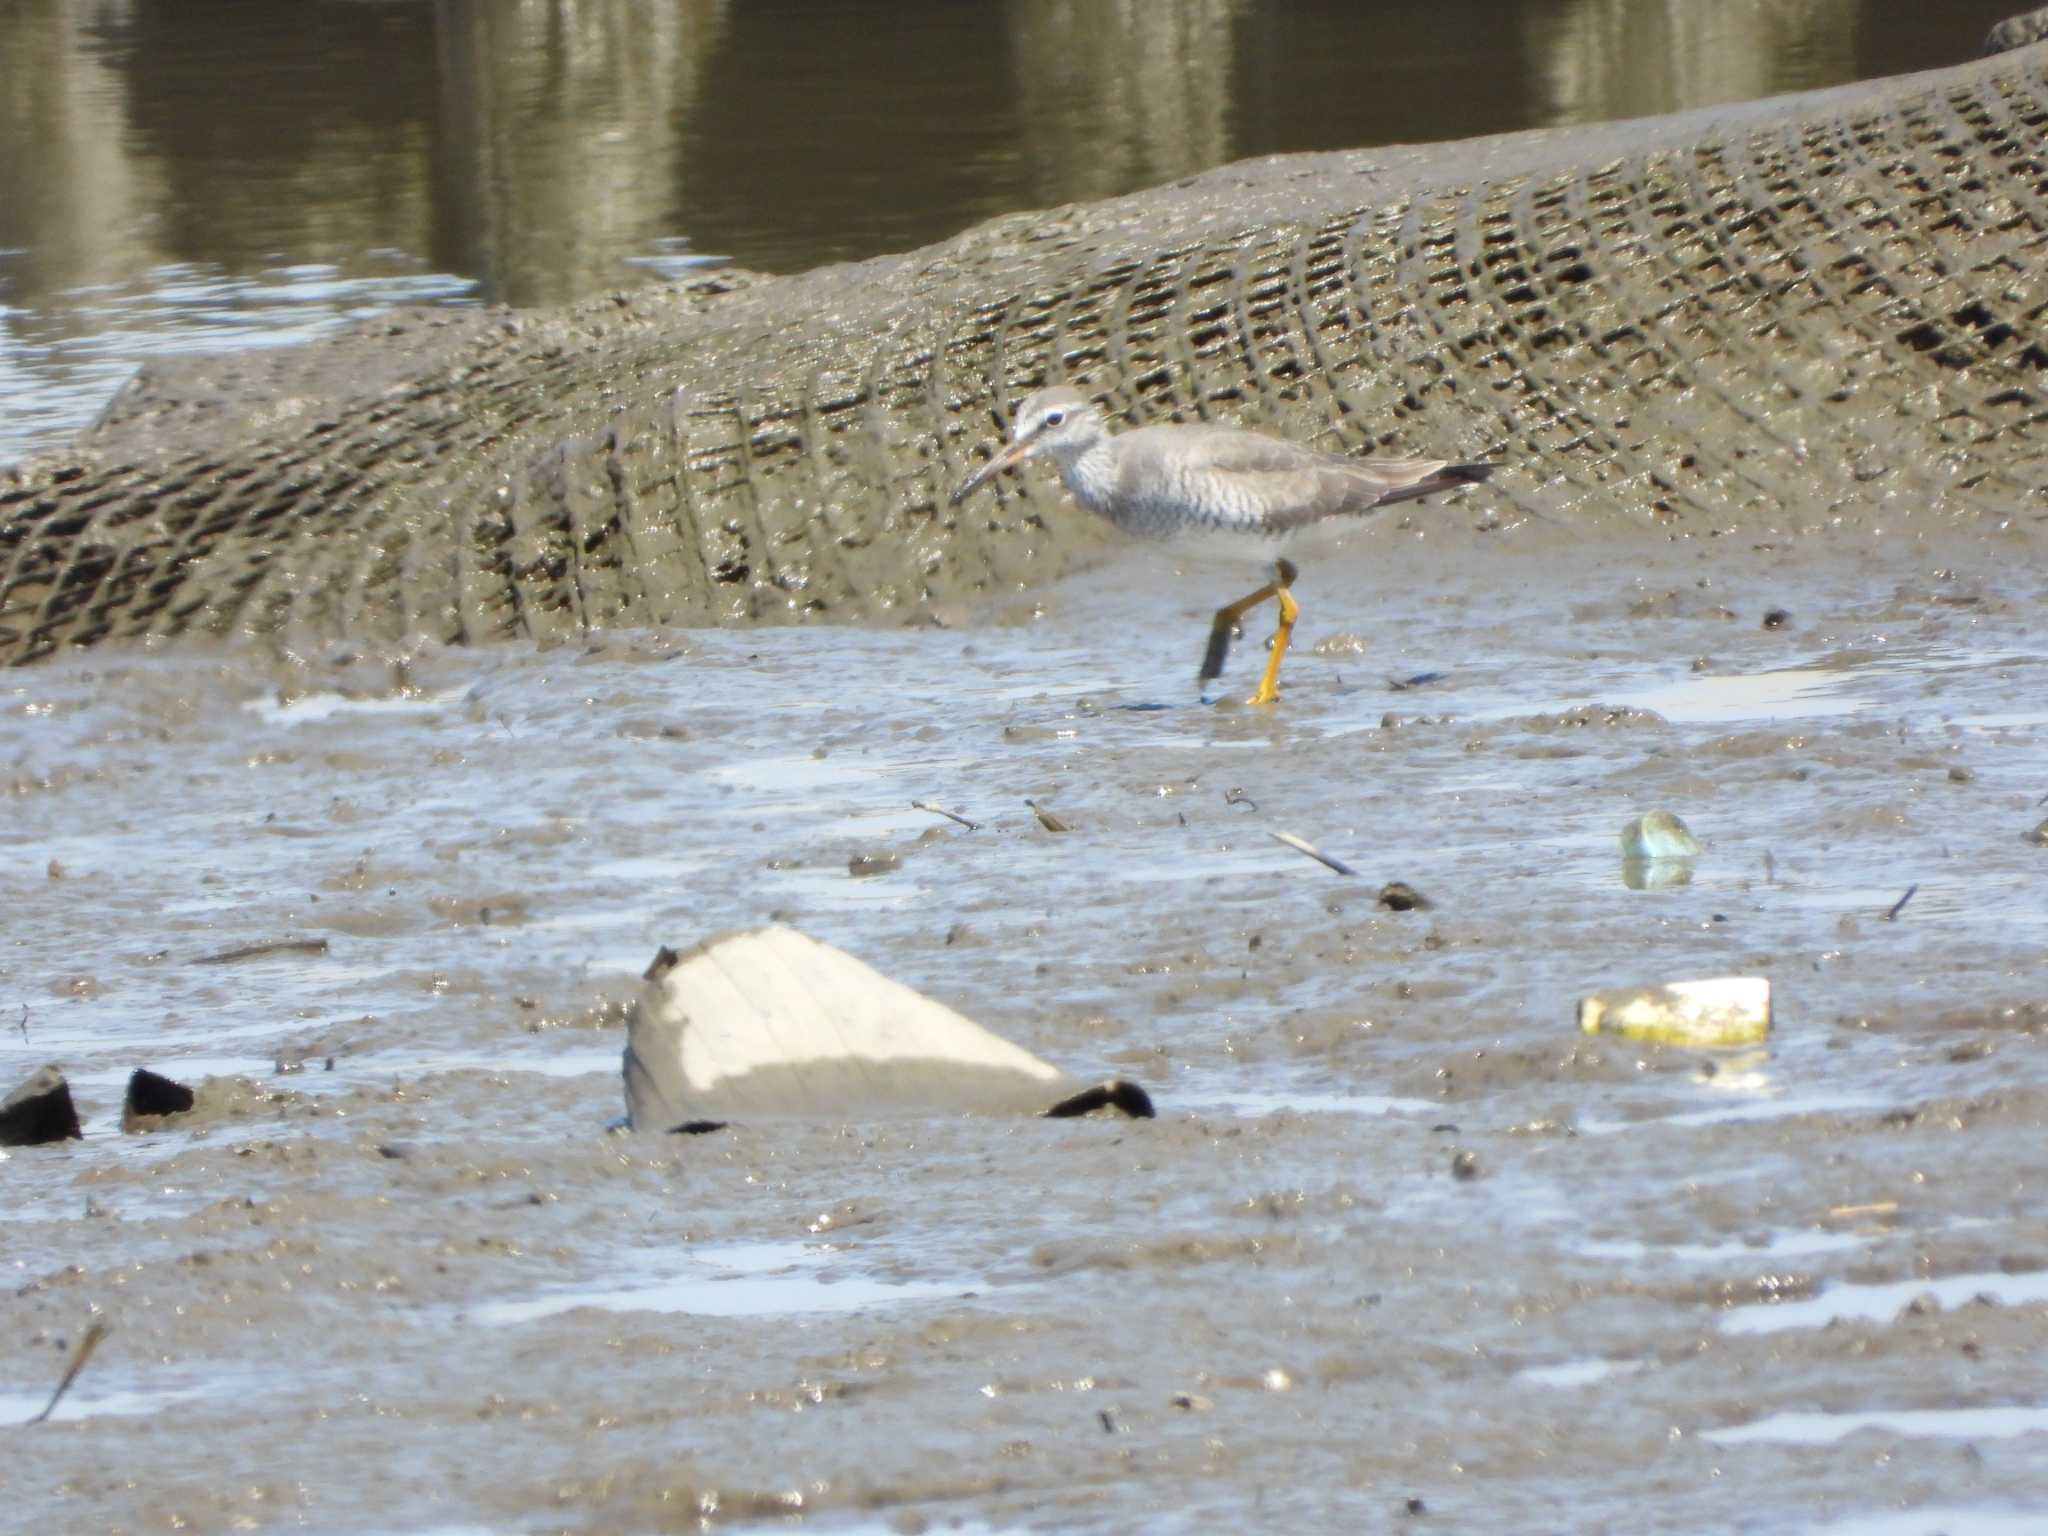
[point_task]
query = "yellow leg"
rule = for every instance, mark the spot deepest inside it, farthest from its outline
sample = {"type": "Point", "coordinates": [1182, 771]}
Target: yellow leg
{"type": "Point", "coordinates": [1225, 625]}
{"type": "Point", "coordinates": [1290, 610]}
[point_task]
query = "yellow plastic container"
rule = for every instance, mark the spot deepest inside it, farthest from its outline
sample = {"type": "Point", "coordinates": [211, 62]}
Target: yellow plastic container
{"type": "Point", "coordinates": [1721, 1013]}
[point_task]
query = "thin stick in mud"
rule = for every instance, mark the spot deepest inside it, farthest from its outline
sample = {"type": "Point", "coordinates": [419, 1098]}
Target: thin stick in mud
{"type": "Point", "coordinates": [1046, 819]}
{"type": "Point", "coordinates": [1302, 845]}
{"type": "Point", "coordinates": [79, 1356]}
{"type": "Point", "coordinates": [273, 947]}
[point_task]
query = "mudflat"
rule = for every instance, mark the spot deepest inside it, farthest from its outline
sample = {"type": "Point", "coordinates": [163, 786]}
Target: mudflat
{"type": "Point", "coordinates": [1403, 1250]}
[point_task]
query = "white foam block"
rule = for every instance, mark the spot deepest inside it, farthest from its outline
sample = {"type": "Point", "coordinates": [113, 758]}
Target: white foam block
{"type": "Point", "coordinates": [768, 1021]}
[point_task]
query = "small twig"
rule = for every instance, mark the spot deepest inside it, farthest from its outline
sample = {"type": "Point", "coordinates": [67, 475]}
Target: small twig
{"type": "Point", "coordinates": [940, 810]}
{"type": "Point", "coordinates": [1046, 819]}
{"type": "Point", "coordinates": [1239, 797]}
{"type": "Point", "coordinates": [79, 1356]}
{"type": "Point", "coordinates": [274, 947]}
{"type": "Point", "coordinates": [22, 1023]}
{"type": "Point", "coordinates": [1900, 905]}
{"type": "Point", "coordinates": [1419, 680]}
{"type": "Point", "coordinates": [1302, 845]}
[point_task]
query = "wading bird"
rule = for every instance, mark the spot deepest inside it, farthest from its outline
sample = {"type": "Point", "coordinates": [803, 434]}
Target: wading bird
{"type": "Point", "coordinates": [1225, 487]}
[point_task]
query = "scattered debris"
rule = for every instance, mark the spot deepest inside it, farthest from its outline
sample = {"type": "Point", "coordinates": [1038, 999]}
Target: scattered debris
{"type": "Point", "coordinates": [1239, 797]}
{"type": "Point", "coordinates": [1722, 1011]}
{"type": "Point", "coordinates": [2038, 837]}
{"type": "Point", "coordinates": [151, 1096]}
{"type": "Point", "coordinates": [256, 951]}
{"type": "Point", "coordinates": [770, 1022]}
{"type": "Point", "coordinates": [1657, 850]}
{"type": "Point", "coordinates": [22, 1023]}
{"type": "Point", "coordinates": [1302, 845]}
{"type": "Point", "coordinates": [39, 1111]}
{"type": "Point", "coordinates": [1777, 618]}
{"type": "Point", "coordinates": [862, 865]}
{"type": "Point", "coordinates": [1046, 819]}
{"type": "Point", "coordinates": [1400, 896]}
{"type": "Point", "coordinates": [1900, 905]}
{"type": "Point", "coordinates": [1464, 1165]}
{"type": "Point", "coordinates": [1871, 1210]}
{"type": "Point", "coordinates": [940, 810]}
{"type": "Point", "coordinates": [1659, 835]}
{"type": "Point", "coordinates": [1419, 680]}
{"type": "Point", "coordinates": [1118, 1094]}
{"type": "Point", "coordinates": [1656, 874]}
{"type": "Point", "coordinates": [95, 1331]}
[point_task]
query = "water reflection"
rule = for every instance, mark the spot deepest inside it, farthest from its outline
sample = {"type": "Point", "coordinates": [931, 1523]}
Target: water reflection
{"type": "Point", "coordinates": [537, 150]}
{"type": "Point", "coordinates": [1112, 97]}
{"type": "Point", "coordinates": [1615, 58]}
{"type": "Point", "coordinates": [558, 137]}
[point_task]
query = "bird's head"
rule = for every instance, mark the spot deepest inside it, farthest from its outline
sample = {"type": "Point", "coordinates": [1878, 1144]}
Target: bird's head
{"type": "Point", "coordinates": [1061, 421]}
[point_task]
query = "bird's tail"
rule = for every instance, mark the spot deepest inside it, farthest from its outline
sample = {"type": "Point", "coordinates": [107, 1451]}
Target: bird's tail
{"type": "Point", "coordinates": [1449, 478]}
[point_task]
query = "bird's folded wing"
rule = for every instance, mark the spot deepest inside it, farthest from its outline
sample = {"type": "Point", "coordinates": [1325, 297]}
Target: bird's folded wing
{"type": "Point", "coordinates": [1296, 486]}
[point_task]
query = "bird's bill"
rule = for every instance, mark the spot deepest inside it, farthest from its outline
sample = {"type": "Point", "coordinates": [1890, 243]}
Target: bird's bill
{"type": "Point", "coordinates": [1013, 453]}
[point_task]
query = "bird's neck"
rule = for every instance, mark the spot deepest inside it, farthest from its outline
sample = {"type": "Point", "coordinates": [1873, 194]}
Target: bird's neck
{"type": "Point", "coordinates": [1089, 470]}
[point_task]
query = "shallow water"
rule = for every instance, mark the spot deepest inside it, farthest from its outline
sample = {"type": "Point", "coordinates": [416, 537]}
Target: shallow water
{"type": "Point", "coordinates": [1997, 1423]}
{"type": "Point", "coordinates": [726, 1280]}
{"type": "Point", "coordinates": [1849, 1302]}
{"type": "Point", "coordinates": [412, 1214]}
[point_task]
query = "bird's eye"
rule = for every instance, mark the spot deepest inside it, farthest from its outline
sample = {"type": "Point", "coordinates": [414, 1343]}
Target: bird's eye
{"type": "Point", "coordinates": [1054, 418]}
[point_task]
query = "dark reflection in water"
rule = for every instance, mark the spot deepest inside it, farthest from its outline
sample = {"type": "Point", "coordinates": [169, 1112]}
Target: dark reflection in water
{"type": "Point", "coordinates": [212, 174]}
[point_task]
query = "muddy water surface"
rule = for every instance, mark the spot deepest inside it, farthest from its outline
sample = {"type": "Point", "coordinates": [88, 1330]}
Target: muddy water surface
{"type": "Point", "coordinates": [394, 1274]}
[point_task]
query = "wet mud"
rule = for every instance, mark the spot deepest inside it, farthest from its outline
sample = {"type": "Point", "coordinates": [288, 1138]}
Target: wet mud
{"type": "Point", "coordinates": [1403, 1248]}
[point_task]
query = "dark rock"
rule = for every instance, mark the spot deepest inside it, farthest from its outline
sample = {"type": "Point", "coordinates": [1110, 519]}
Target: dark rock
{"type": "Point", "coordinates": [152, 1094]}
{"type": "Point", "coordinates": [1400, 896]}
{"type": "Point", "coordinates": [39, 1110]}
{"type": "Point", "coordinates": [1118, 1093]}
{"type": "Point", "coordinates": [2021, 31]}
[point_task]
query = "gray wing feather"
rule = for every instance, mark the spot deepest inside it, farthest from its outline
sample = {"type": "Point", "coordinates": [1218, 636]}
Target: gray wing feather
{"type": "Point", "coordinates": [1229, 476]}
